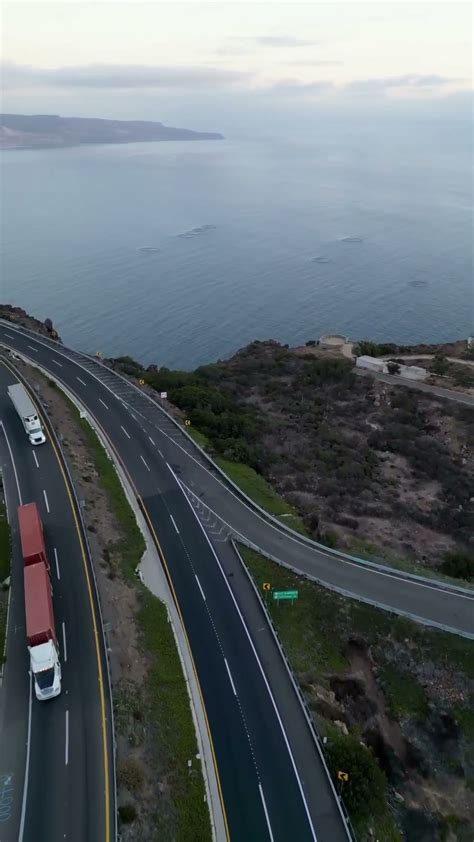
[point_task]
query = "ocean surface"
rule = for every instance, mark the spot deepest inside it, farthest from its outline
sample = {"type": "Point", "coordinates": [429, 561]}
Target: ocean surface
{"type": "Point", "coordinates": [181, 253]}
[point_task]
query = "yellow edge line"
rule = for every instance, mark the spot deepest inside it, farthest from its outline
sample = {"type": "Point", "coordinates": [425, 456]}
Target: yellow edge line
{"type": "Point", "coordinates": [163, 558]}
{"type": "Point", "coordinates": [94, 620]}
{"type": "Point", "coordinates": [170, 582]}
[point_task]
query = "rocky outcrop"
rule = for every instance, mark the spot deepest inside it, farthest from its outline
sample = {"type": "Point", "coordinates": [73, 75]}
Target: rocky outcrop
{"type": "Point", "coordinates": [20, 317]}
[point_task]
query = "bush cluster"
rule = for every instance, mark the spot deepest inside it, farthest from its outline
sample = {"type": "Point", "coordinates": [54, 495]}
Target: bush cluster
{"type": "Point", "coordinates": [458, 564]}
{"type": "Point", "coordinates": [374, 349]}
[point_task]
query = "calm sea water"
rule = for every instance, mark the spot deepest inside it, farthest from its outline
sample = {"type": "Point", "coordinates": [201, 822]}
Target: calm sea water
{"type": "Point", "coordinates": [282, 239]}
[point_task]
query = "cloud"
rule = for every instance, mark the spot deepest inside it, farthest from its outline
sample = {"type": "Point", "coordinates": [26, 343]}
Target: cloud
{"type": "Point", "coordinates": [283, 41]}
{"type": "Point", "coordinates": [243, 45]}
{"type": "Point", "coordinates": [120, 76]}
{"type": "Point", "coordinates": [292, 87]}
{"type": "Point", "coordinates": [411, 81]}
{"type": "Point", "coordinates": [313, 63]}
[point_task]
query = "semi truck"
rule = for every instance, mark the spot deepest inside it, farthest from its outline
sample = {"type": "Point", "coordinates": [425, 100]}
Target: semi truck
{"type": "Point", "coordinates": [41, 635]}
{"type": "Point", "coordinates": [27, 412]}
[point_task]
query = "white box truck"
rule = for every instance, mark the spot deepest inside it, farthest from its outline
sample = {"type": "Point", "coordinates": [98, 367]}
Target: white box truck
{"type": "Point", "coordinates": [27, 412]}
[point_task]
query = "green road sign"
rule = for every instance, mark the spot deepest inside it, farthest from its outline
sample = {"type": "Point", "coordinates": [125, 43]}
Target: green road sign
{"type": "Point", "coordinates": [285, 594]}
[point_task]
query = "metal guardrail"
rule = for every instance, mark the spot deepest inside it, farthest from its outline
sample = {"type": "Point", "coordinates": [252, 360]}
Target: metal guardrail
{"type": "Point", "coordinates": [304, 705]}
{"type": "Point", "coordinates": [35, 394]}
{"type": "Point", "coordinates": [80, 357]}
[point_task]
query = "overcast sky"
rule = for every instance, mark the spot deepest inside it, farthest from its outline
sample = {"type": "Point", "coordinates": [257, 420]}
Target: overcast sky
{"type": "Point", "coordinates": [169, 60]}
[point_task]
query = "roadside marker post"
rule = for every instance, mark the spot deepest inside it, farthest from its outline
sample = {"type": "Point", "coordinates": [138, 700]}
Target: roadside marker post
{"type": "Point", "coordinates": [343, 777]}
{"type": "Point", "coordinates": [266, 586]}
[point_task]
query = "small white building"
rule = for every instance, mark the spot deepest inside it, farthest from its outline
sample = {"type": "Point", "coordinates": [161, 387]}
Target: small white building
{"type": "Point", "coordinates": [413, 372]}
{"type": "Point", "coordinates": [372, 364]}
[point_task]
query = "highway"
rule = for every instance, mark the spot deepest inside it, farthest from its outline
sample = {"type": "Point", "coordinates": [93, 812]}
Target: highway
{"type": "Point", "coordinates": [127, 413]}
{"type": "Point", "coordinates": [56, 756]}
{"type": "Point", "coordinates": [273, 781]}
{"type": "Point", "coordinates": [193, 511]}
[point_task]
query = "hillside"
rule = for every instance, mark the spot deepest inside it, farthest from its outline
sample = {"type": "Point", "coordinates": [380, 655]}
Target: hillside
{"type": "Point", "coordinates": [19, 131]}
{"type": "Point", "coordinates": [379, 470]}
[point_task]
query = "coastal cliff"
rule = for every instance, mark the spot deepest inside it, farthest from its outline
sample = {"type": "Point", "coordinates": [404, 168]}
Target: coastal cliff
{"type": "Point", "coordinates": [18, 131]}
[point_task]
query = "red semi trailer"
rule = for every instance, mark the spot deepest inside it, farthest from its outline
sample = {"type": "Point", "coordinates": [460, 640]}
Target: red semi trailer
{"type": "Point", "coordinates": [40, 626]}
{"type": "Point", "coordinates": [31, 534]}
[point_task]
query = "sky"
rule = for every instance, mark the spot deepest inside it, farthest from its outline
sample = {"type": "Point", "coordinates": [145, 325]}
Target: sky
{"type": "Point", "coordinates": [213, 65]}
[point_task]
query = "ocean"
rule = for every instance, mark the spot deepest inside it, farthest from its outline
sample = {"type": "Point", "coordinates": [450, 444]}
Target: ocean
{"type": "Point", "coordinates": [180, 253]}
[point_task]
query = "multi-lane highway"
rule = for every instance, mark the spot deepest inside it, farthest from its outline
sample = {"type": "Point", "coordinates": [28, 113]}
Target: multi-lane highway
{"type": "Point", "coordinates": [272, 777]}
{"type": "Point", "coordinates": [273, 787]}
{"type": "Point", "coordinates": [56, 762]}
{"type": "Point", "coordinates": [96, 385]}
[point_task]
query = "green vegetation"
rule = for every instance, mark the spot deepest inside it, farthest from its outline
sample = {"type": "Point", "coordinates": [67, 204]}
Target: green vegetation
{"type": "Point", "coordinates": [459, 564]}
{"type": "Point", "coordinates": [5, 560]}
{"type": "Point", "coordinates": [365, 792]}
{"type": "Point", "coordinates": [462, 375]}
{"type": "Point", "coordinates": [381, 555]}
{"type": "Point", "coordinates": [5, 544]}
{"type": "Point", "coordinates": [403, 693]}
{"type": "Point", "coordinates": [184, 816]}
{"type": "Point", "coordinates": [127, 813]}
{"type": "Point", "coordinates": [261, 492]}
{"type": "Point", "coordinates": [373, 349]}
{"type": "Point", "coordinates": [173, 729]}
{"type": "Point", "coordinates": [440, 364]}
{"type": "Point", "coordinates": [465, 718]}
{"type": "Point", "coordinates": [317, 632]}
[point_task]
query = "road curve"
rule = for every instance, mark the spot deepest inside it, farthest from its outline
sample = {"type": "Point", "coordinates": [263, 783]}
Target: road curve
{"type": "Point", "coordinates": [58, 754]}
{"type": "Point", "coordinates": [391, 590]}
{"type": "Point", "coordinates": [274, 782]}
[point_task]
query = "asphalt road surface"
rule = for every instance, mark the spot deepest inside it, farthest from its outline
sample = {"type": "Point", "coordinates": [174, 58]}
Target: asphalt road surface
{"type": "Point", "coordinates": [55, 755]}
{"type": "Point", "coordinates": [274, 783]}
{"type": "Point", "coordinates": [133, 420]}
{"type": "Point", "coordinates": [252, 755]}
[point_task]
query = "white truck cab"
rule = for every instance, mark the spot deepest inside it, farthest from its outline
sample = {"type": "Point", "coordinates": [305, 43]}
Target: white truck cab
{"type": "Point", "coordinates": [27, 412]}
{"type": "Point", "coordinates": [46, 669]}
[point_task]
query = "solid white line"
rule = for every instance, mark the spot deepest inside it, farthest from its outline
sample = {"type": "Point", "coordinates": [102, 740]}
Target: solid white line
{"type": "Point", "coordinates": [33, 349]}
{"type": "Point", "coordinates": [123, 428]}
{"type": "Point", "coordinates": [153, 443]}
{"type": "Point", "coordinates": [81, 381]}
{"type": "Point", "coordinates": [252, 645]}
{"type": "Point", "coordinates": [57, 562]}
{"type": "Point", "coordinates": [199, 585]}
{"type": "Point", "coordinates": [66, 747]}
{"type": "Point", "coordinates": [230, 676]}
{"type": "Point", "coordinates": [159, 451]}
{"type": "Point", "coordinates": [350, 563]}
{"type": "Point", "coordinates": [64, 643]}
{"type": "Point", "coordinates": [13, 463]}
{"type": "Point", "coordinates": [103, 403]}
{"type": "Point", "coordinates": [146, 466]}
{"type": "Point", "coordinates": [56, 363]}
{"type": "Point", "coordinates": [266, 812]}
{"type": "Point", "coordinates": [320, 549]}
{"type": "Point", "coordinates": [174, 523]}
{"type": "Point", "coordinates": [35, 458]}
{"type": "Point", "coordinates": [46, 501]}
{"type": "Point", "coordinates": [27, 769]}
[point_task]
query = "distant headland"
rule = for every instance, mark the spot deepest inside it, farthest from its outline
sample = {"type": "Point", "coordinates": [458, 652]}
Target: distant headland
{"type": "Point", "coordinates": [18, 131]}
